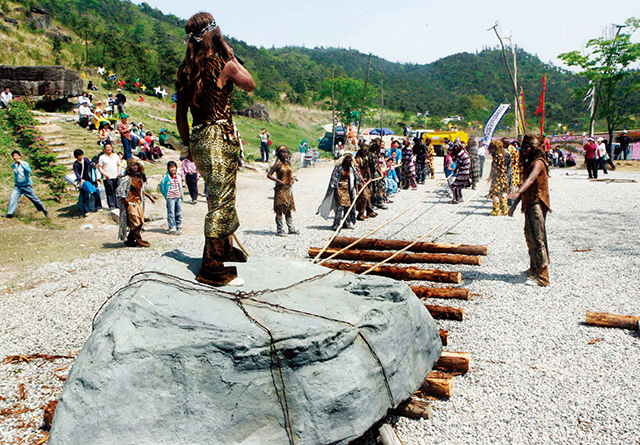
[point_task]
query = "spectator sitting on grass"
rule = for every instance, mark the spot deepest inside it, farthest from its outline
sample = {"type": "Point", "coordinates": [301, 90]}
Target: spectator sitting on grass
{"type": "Point", "coordinates": [84, 116]}
{"type": "Point", "coordinates": [6, 98]}
{"type": "Point", "coordinates": [162, 139]}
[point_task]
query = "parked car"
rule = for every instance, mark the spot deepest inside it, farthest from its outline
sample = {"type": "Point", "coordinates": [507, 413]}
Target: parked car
{"type": "Point", "coordinates": [324, 143]}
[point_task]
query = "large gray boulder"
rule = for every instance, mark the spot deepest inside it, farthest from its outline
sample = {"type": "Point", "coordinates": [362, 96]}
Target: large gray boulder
{"type": "Point", "coordinates": [41, 83]}
{"type": "Point", "coordinates": [172, 361]}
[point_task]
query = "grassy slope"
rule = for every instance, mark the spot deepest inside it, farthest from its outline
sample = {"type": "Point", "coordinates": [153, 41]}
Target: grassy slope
{"type": "Point", "coordinates": [25, 46]}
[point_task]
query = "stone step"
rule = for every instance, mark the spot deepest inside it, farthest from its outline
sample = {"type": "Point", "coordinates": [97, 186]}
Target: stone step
{"type": "Point", "coordinates": [59, 150]}
{"type": "Point", "coordinates": [68, 162]}
{"type": "Point", "coordinates": [64, 156]}
{"type": "Point", "coordinates": [50, 129]}
{"type": "Point", "coordinates": [56, 143]}
{"type": "Point", "coordinates": [51, 136]}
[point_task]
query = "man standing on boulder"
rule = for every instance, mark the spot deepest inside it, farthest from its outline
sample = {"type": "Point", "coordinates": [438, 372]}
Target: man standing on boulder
{"type": "Point", "coordinates": [205, 83]}
{"type": "Point", "coordinates": [22, 186]}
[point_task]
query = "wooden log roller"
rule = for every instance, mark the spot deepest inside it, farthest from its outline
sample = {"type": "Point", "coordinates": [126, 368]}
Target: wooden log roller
{"type": "Point", "coordinates": [405, 258]}
{"type": "Point", "coordinates": [399, 273]}
{"type": "Point", "coordinates": [421, 247]}
{"type": "Point", "coordinates": [604, 320]}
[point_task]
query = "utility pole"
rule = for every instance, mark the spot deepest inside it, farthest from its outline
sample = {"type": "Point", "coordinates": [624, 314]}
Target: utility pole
{"type": "Point", "coordinates": [494, 28]}
{"type": "Point", "coordinates": [333, 106]}
{"type": "Point", "coordinates": [519, 130]}
{"type": "Point", "coordinates": [364, 96]}
{"type": "Point", "coordinates": [381, 102]}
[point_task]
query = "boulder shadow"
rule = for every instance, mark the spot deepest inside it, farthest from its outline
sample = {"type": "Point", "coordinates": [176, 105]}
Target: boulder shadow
{"type": "Point", "coordinates": [193, 263]}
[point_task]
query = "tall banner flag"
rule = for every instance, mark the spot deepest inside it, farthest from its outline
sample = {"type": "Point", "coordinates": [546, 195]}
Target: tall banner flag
{"type": "Point", "coordinates": [524, 117]}
{"type": "Point", "coordinates": [494, 120]}
{"type": "Point", "coordinates": [540, 108]}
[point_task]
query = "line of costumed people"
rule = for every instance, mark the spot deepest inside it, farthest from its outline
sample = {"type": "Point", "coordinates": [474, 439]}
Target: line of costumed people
{"type": "Point", "coordinates": [366, 180]}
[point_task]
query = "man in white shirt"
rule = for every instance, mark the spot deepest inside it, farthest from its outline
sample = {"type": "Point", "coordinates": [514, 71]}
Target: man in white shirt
{"type": "Point", "coordinates": [6, 98]}
{"type": "Point", "coordinates": [264, 144]}
{"type": "Point", "coordinates": [109, 167]}
{"type": "Point", "coordinates": [84, 115]}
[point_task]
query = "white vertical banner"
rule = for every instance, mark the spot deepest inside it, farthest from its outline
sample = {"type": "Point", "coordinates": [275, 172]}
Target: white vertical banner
{"type": "Point", "coordinates": [494, 120]}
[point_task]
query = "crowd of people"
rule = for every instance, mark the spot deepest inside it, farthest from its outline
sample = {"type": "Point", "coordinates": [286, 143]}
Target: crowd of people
{"type": "Point", "coordinates": [372, 175]}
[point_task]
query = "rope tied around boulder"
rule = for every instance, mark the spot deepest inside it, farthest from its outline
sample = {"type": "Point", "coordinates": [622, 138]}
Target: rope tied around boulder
{"type": "Point", "coordinates": [239, 297]}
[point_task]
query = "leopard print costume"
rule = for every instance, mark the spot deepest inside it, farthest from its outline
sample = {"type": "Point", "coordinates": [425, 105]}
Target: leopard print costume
{"type": "Point", "coordinates": [215, 153]}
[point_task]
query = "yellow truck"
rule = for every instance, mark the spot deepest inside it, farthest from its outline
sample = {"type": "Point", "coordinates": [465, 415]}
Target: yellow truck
{"type": "Point", "coordinates": [438, 137]}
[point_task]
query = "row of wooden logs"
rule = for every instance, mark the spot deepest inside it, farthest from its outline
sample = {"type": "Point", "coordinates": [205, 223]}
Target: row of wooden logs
{"type": "Point", "coordinates": [439, 382]}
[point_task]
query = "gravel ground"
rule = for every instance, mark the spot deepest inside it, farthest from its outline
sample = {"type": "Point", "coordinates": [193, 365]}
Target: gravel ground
{"type": "Point", "coordinates": [535, 376]}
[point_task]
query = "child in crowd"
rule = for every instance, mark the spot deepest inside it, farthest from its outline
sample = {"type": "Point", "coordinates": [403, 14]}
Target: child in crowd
{"type": "Point", "coordinates": [105, 130]}
{"type": "Point", "coordinates": [162, 139]}
{"type": "Point", "coordinates": [191, 175]}
{"type": "Point", "coordinates": [171, 188]}
{"type": "Point", "coordinates": [123, 164]}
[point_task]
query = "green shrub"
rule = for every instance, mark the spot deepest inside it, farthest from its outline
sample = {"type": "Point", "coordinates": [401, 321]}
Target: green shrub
{"type": "Point", "coordinates": [33, 143]}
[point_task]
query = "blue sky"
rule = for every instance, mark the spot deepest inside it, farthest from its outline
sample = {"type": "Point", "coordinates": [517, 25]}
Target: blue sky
{"type": "Point", "coordinates": [410, 30]}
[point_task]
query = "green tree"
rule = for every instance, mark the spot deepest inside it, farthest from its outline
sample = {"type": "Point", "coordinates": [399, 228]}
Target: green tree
{"type": "Point", "coordinates": [608, 64]}
{"type": "Point", "coordinates": [348, 96]}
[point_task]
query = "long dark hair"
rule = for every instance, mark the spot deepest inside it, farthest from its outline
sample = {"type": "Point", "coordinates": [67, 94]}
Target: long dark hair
{"type": "Point", "coordinates": [537, 151]}
{"type": "Point", "coordinates": [189, 81]}
{"type": "Point", "coordinates": [280, 152]}
{"type": "Point", "coordinates": [497, 146]}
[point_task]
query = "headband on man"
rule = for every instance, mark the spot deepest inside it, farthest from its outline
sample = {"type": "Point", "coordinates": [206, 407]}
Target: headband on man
{"type": "Point", "coordinates": [198, 36]}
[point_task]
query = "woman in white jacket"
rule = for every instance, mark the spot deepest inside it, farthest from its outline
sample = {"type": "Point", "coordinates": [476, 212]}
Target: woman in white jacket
{"type": "Point", "coordinates": [602, 155]}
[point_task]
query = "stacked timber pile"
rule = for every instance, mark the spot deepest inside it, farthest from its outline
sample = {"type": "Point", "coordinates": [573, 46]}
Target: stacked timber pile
{"type": "Point", "coordinates": [371, 256]}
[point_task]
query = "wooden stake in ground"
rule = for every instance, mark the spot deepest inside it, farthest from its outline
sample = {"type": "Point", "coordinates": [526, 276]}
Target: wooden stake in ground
{"type": "Point", "coordinates": [457, 293]}
{"type": "Point", "coordinates": [454, 362]}
{"type": "Point", "coordinates": [445, 312]}
{"type": "Point", "coordinates": [399, 273]}
{"type": "Point", "coordinates": [422, 247]}
{"type": "Point", "coordinates": [605, 320]}
{"type": "Point", "coordinates": [388, 435]}
{"type": "Point", "coordinates": [406, 258]}
{"type": "Point", "coordinates": [438, 384]}
{"type": "Point", "coordinates": [415, 409]}
{"type": "Point", "coordinates": [444, 337]}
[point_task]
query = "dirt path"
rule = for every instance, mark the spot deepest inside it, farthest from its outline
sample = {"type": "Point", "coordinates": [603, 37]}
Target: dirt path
{"type": "Point", "coordinates": [26, 246]}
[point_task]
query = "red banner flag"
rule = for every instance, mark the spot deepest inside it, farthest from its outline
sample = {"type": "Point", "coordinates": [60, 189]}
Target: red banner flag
{"type": "Point", "coordinates": [540, 108]}
{"type": "Point", "coordinates": [524, 115]}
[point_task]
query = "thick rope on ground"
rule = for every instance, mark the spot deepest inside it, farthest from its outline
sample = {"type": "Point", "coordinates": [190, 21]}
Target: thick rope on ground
{"type": "Point", "coordinates": [404, 249]}
{"type": "Point", "coordinates": [373, 231]}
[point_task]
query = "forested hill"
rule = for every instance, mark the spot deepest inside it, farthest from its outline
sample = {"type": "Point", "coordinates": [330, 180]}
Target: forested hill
{"type": "Point", "coordinates": [140, 42]}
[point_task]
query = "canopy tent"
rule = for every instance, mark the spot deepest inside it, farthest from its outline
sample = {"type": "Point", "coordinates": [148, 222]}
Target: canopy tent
{"type": "Point", "coordinates": [385, 131]}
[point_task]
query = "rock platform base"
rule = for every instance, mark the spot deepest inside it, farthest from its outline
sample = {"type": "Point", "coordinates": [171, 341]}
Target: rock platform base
{"type": "Point", "coordinates": [299, 354]}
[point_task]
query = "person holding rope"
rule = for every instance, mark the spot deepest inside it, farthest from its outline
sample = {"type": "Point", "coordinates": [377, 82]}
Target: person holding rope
{"type": "Point", "coordinates": [363, 202]}
{"type": "Point", "coordinates": [378, 195]}
{"type": "Point", "coordinates": [534, 193]}
{"type": "Point", "coordinates": [283, 203]}
{"type": "Point", "coordinates": [463, 171]}
{"type": "Point", "coordinates": [499, 179]}
{"type": "Point", "coordinates": [472, 149]}
{"type": "Point", "coordinates": [431, 153]}
{"type": "Point", "coordinates": [204, 86]}
{"type": "Point", "coordinates": [340, 193]}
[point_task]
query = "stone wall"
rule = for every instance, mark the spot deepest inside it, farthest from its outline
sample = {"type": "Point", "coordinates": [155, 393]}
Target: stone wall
{"type": "Point", "coordinates": [41, 84]}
